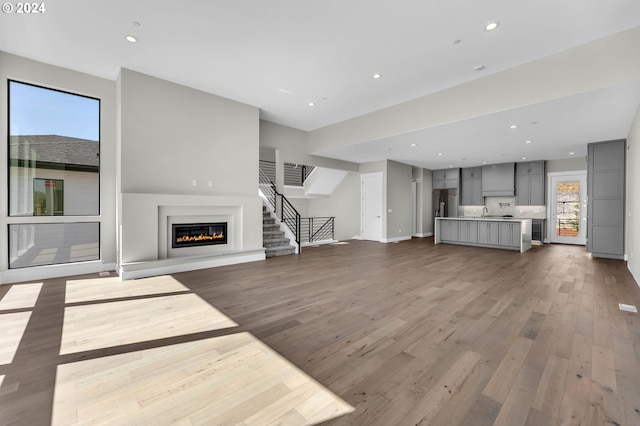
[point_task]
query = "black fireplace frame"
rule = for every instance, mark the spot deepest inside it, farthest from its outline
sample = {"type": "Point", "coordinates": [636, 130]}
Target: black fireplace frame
{"type": "Point", "coordinates": [223, 226]}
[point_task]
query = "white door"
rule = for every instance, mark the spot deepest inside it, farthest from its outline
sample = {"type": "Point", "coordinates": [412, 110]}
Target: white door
{"type": "Point", "coordinates": [371, 206]}
{"type": "Point", "coordinates": [568, 208]}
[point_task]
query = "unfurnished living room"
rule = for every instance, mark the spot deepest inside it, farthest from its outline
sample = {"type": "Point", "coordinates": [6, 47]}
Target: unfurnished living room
{"type": "Point", "coordinates": [319, 212]}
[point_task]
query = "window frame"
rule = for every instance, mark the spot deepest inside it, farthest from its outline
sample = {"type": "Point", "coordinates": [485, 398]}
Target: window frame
{"type": "Point", "coordinates": [18, 219]}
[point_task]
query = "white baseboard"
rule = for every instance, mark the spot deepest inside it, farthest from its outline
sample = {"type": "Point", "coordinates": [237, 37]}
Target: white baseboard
{"type": "Point", "coordinates": [423, 235]}
{"type": "Point", "coordinates": [54, 271]}
{"type": "Point", "coordinates": [183, 264]}
{"type": "Point", "coordinates": [318, 243]}
{"type": "Point", "coordinates": [395, 239]}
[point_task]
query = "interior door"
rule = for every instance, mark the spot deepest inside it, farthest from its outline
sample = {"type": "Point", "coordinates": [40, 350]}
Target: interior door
{"type": "Point", "coordinates": [568, 208]}
{"type": "Point", "coordinates": [371, 206]}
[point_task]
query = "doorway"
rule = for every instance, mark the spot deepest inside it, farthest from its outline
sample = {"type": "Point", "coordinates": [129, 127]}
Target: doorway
{"type": "Point", "coordinates": [371, 206]}
{"type": "Point", "coordinates": [568, 207]}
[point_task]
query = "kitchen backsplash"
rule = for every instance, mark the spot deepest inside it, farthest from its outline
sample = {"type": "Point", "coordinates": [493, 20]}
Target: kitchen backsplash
{"type": "Point", "coordinates": [499, 206]}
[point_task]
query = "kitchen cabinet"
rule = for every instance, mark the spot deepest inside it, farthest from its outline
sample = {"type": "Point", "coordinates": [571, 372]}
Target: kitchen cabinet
{"type": "Point", "coordinates": [530, 184]}
{"type": "Point", "coordinates": [449, 230]}
{"type": "Point", "coordinates": [509, 234]}
{"type": "Point", "coordinates": [498, 180]}
{"type": "Point", "coordinates": [468, 231]}
{"type": "Point", "coordinates": [488, 233]}
{"type": "Point", "coordinates": [446, 178]}
{"type": "Point", "coordinates": [471, 187]}
{"type": "Point", "coordinates": [605, 190]}
{"type": "Point", "coordinates": [512, 234]}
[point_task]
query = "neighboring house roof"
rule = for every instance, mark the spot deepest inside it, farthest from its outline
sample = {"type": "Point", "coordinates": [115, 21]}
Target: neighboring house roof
{"type": "Point", "coordinates": [54, 151]}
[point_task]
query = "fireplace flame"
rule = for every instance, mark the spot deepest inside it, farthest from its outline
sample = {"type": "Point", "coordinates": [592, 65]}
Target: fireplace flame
{"type": "Point", "coordinates": [201, 237]}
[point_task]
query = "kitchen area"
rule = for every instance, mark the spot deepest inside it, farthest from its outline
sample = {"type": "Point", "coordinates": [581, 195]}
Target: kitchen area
{"type": "Point", "coordinates": [497, 205]}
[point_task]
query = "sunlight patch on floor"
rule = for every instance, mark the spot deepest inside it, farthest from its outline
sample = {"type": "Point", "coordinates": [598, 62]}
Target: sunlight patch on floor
{"type": "Point", "coordinates": [21, 296]}
{"type": "Point", "coordinates": [102, 325]}
{"type": "Point", "coordinates": [222, 380]}
{"type": "Point", "coordinates": [86, 290]}
{"type": "Point", "coordinates": [12, 327]}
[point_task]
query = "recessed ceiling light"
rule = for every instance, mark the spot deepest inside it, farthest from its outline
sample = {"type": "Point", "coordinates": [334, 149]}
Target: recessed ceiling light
{"type": "Point", "coordinates": [479, 67]}
{"type": "Point", "coordinates": [571, 153]}
{"type": "Point", "coordinates": [524, 158]}
{"type": "Point", "coordinates": [513, 126]}
{"type": "Point", "coordinates": [450, 165]}
{"type": "Point", "coordinates": [130, 39]}
{"type": "Point", "coordinates": [491, 26]}
{"type": "Point", "coordinates": [484, 162]}
{"type": "Point", "coordinates": [312, 104]}
{"type": "Point", "coordinates": [528, 141]}
{"type": "Point", "coordinates": [413, 144]}
{"type": "Point", "coordinates": [376, 76]}
{"type": "Point", "coordinates": [439, 154]}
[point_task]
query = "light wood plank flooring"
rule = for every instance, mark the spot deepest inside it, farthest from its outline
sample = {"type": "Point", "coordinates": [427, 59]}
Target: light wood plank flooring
{"type": "Point", "coordinates": [358, 334]}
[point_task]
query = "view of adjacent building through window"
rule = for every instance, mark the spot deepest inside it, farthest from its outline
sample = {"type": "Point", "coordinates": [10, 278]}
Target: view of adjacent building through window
{"type": "Point", "coordinates": [54, 170]}
{"type": "Point", "coordinates": [568, 209]}
{"type": "Point", "coordinates": [48, 197]}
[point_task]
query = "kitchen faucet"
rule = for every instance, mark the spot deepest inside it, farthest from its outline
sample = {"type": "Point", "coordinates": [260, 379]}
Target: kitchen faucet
{"type": "Point", "coordinates": [484, 210]}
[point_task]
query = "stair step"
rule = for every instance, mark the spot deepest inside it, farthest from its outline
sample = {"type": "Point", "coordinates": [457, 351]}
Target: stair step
{"type": "Point", "coordinates": [275, 241]}
{"type": "Point", "coordinates": [273, 238]}
{"type": "Point", "coordinates": [279, 251]}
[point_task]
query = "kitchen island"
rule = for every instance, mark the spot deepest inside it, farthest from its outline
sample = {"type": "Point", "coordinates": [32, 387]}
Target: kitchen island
{"type": "Point", "coordinates": [494, 232]}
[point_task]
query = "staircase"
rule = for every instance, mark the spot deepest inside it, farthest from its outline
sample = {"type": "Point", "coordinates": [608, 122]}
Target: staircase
{"type": "Point", "coordinates": [273, 239]}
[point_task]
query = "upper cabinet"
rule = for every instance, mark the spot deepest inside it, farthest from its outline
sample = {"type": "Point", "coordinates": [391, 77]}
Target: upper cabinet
{"type": "Point", "coordinates": [530, 184]}
{"type": "Point", "coordinates": [498, 180]}
{"type": "Point", "coordinates": [471, 188]}
{"type": "Point", "coordinates": [446, 178]}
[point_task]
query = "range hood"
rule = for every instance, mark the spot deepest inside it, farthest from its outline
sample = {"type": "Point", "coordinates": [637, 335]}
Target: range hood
{"type": "Point", "coordinates": [498, 180]}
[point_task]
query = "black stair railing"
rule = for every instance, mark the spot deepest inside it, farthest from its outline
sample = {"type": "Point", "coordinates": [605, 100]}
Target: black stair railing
{"type": "Point", "coordinates": [316, 229]}
{"type": "Point", "coordinates": [294, 174]}
{"type": "Point", "coordinates": [291, 218]}
{"type": "Point", "coordinates": [281, 206]}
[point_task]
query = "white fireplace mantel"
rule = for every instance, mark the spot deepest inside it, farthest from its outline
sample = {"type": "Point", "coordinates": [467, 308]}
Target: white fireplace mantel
{"type": "Point", "coordinates": [145, 230]}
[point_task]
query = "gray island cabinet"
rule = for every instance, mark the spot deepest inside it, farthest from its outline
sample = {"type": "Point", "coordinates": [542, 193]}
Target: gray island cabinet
{"type": "Point", "coordinates": [510, 234]}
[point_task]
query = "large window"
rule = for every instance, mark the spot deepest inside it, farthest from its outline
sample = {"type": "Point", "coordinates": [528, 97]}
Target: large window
{"type": "Point", "coordinates": [54, 170]}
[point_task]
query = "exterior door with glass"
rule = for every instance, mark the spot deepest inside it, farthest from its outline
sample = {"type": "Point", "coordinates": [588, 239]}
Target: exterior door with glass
{"type": "Point", "coordinates": [568, 207]}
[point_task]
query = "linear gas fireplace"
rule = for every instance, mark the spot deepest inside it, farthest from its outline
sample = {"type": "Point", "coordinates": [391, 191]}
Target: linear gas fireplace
{"type": "Point", "coordinates": [198, 234]}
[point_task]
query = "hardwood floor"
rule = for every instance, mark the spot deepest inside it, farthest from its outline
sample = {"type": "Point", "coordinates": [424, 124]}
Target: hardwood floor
{"type": "Point", "coordinates": [390, 334]}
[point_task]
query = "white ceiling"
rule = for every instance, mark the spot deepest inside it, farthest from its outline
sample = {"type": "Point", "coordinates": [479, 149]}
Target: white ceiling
{"type": "Point", "coordinates": [279, 55]}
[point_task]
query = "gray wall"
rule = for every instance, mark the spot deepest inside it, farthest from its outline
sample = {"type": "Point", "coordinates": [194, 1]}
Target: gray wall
{"type": "Point", "coordinates": [632, 226]}
{"type": "Point", "coordinates": [566, 165]}
{"type": "Point", "coordinates": [28, 71]}
{"type": "Point", "coordinates": [173, 135]}
{"type": "Point", "coordinates": [398, 195]}
{"type": "Point", "coordinates": [424, 184]}
{"type": "Point", "coordinates": [343, 204]}
{"type": "Point", "coordinates": [293, 145]}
